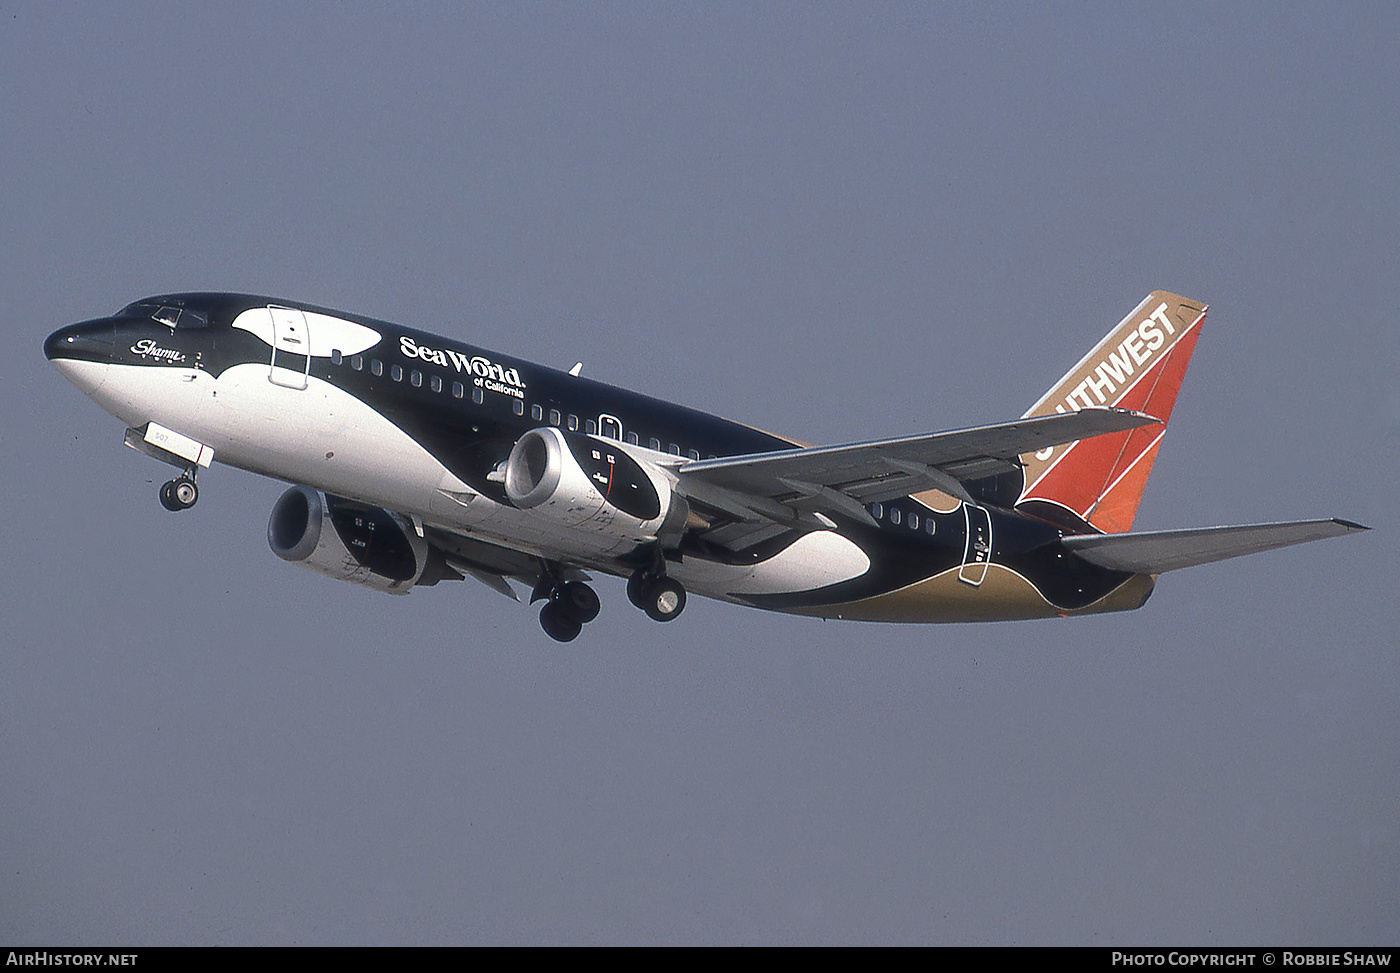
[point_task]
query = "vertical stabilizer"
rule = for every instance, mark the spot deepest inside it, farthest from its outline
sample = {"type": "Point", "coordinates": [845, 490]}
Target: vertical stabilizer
{"type": "Point", "coordinates": [1096, 484]}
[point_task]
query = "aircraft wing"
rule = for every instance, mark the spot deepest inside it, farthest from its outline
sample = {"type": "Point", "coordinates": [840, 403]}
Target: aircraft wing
{"type": "Point", "coordinates": [797, 487]}
{"type": "Point", "coordinates": [1153, 552]}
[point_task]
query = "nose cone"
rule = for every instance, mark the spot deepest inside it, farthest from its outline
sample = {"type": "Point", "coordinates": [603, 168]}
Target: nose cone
{"type": "Point", "coordinates": [83, 352]}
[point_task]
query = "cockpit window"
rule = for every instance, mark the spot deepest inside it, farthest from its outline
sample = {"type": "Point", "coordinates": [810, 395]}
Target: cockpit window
{"type": "Point", "coordinates": [167, 314]}
{"type": "Point", "coordinates": [141, 309]}
{"type": "Point", "coordinates": [181, 317]}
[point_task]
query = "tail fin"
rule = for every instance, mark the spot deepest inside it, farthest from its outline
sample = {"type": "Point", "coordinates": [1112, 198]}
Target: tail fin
{"type": "Point", "coordinates": [1096, 484]}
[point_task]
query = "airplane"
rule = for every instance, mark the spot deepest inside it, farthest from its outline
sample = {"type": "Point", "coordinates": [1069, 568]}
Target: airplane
{"type": "Point", "coordinates": [416, 459]}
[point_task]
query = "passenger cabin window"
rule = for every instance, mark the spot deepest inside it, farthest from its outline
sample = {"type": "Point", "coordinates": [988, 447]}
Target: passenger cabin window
{"type": "Point", "coordinates": [694, 454]}
{"type": "Point", "coordinates": [894, 515]}
{"type": "Point", "coordinates": [674, 450]}
{"type": "Point", "coordinates": [554, 417]}
{"type": "Point", "coordinates": [336, 358]}
{"type": "Point", "coordinates": [396, 372]}
{"type": "Point", "coordinates": [537, 412]}
{"type": "Point", "coordinates": [573, 423]}
{"type": "Point", "coordinates": [458, 390]}
{"type": "Point", "coordinates": [415, 378]}
{"type": "Point", "coordinates": [518, 406]}
{"type": "Point", "coordinates": [357, 362]}
{"type": "Point", "coordinates": [877, 510]}
{"type": "Point", "coordinates": [478, 396]}
{"type": "Point", "coordinates": [435, 383]}
{"type": "Point", "coordinates": [634, 439]}
{"type": "Point", "coordinates": [376, 367]}
{"type": "Point", "coordinates": [590, 427]}
{"type": "Point", "coordinates": [654, 443]}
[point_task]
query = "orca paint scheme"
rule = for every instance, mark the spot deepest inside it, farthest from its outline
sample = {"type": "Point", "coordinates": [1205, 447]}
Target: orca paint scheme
{"type": "Point", "coordinates": [417, 459]}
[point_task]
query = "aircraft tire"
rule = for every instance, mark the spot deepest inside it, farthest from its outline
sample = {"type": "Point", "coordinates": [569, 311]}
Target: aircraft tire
{"type": "Point", "coordinates": [559, 624]}
{"type": "Point", "coordinates": [167, 496]}
{"type": "Point", "coordinates": [578, 601]}
{"type": "Point", "coordinates": [663, 599]}
{"type": "Point", "coordinates": [636, 593]}
{"type": "Point", "coordinates": [185, 492]}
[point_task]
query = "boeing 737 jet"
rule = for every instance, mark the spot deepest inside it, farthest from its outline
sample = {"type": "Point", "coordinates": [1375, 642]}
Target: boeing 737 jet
{"type": "Point", "coordinates": [416, 459]}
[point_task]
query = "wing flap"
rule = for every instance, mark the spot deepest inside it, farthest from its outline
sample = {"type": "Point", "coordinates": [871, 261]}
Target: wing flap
{"type": "Point", "coordinates": [1153, 552]}
{"type": "Point", "coordinates": [495, 582]}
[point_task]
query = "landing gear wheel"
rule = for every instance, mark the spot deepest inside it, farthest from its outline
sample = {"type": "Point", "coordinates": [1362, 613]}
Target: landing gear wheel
{"type": "Point", "coordinates": [635, 585]}
{"type": "Point", "coordinates": [185, 491]}
{"type": "Point", "coordinates": [576, 600]}
{"type": "Point", "coordinates": [558, 624]}
{"type": "Point", "coordinates": [662, 599]}
{"type": "Point", "coordinates": [180, 493]}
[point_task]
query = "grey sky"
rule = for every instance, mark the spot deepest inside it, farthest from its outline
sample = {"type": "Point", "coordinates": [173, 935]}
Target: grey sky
{"type": "Point", "coordinates": [837, 221]}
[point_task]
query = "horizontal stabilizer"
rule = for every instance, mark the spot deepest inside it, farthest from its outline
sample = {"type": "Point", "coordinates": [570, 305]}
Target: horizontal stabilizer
{"type": "Point", "coordinates": [1152, 552]}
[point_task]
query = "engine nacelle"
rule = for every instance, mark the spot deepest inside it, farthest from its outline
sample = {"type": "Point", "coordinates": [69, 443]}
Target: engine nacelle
{"type": "Point", "coordinates": [349, 541]}
{"type": "Point", "coordinates": [593, 484]}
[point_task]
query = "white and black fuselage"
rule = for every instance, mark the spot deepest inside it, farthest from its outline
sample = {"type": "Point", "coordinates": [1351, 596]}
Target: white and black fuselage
{"type": "Point", "coordinates": [433, 459]}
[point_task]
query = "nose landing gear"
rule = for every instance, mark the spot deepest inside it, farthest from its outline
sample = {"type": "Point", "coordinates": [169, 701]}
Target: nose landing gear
{"type": "Point", "coordinates": [181, 493]}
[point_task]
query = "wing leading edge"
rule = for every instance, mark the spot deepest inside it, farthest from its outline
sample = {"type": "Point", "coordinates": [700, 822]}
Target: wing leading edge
{"type": "Point", "coordinates": [1156, 551]}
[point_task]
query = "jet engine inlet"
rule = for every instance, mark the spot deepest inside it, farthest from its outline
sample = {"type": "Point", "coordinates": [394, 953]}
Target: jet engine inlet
{"type": "Point", "coordinates": [534, 468]}
{"type": "Point", "coordinates": [596, 485]}
{"type": "Point", "coordinates": [349, 541]}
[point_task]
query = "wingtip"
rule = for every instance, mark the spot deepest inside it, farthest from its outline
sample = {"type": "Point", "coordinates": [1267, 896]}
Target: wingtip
{"type": "Point", "coordinates": [1147, 418]}
{"type": "Point", "coordinates": [1142, 418]}
{"type": "Point", "coordinates": [1349, 524]}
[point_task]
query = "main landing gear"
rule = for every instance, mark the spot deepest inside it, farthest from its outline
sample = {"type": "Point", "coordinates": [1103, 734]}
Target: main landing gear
{"type": "Point", "coordinates": [568, 607]}
{"type": "Point", "coordinates": [662, 598]}
{"type": "Point", "coordinates": [181, 493]}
